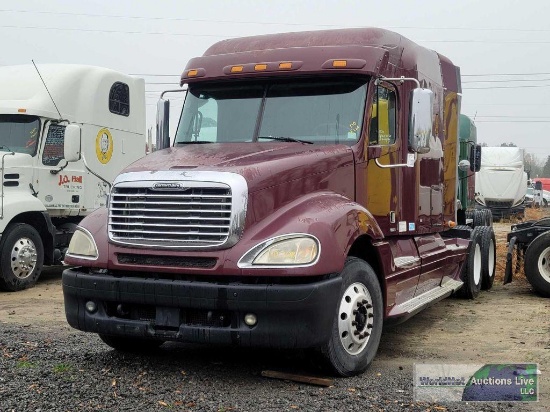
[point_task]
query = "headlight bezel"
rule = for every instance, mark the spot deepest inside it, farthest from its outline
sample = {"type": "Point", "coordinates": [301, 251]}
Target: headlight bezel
{"type": "Point", "coordinates": [249, 258]}
{"type": "Point", "coordinates": [80, 231]}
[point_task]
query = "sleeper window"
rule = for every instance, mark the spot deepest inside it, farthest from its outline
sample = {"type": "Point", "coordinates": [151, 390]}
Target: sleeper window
{"type": "Point", "coordinates": [383, 119]}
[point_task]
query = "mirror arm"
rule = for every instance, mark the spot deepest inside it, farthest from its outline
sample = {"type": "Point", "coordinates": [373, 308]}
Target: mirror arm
{"type": "Point", "coordinates": [401, 80]}
{"type": "Point", "coordinates": [54, 172]}
{"type": "Point", "coordinates": [411, 160]}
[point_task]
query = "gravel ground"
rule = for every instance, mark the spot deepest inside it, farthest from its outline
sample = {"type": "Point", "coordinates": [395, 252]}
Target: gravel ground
{"type": "Point", "coordinates": [68, 371]}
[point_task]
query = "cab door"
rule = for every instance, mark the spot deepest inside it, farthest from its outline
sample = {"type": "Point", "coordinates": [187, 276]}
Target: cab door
{"type": "Point", "coordinates": [60, 185]}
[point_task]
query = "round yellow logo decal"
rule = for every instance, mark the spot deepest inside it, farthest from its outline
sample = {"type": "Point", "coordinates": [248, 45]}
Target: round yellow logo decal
{"type": "Point", "coordinates": [104, 145]}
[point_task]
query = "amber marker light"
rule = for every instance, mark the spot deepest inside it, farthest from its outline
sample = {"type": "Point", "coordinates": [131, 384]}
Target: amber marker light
{"type": "Point", "coordinates": [236, 69]}
{"type": "Point", "coordinates": [260, 67]}
{"type": "Point", "coordinates": [451, 224]}
{"type": "Point", "coordinates": [192, 73]}
{"type": "Point", "coordinates": [22, 110]}
{"type": "Point", "coordinates": [339, 63]}
{"type": "Point", "coordinates": [285, 65]}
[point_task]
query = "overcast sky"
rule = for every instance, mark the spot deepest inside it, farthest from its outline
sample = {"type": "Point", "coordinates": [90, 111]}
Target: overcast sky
{"type": "Point", "coordinates": [502, 46]}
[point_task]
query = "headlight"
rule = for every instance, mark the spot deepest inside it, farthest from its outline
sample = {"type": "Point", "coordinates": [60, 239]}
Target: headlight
{"type": "Point", "coordinates": [287, 250]}
{"type": "Point", "coordinates": [82, 245]}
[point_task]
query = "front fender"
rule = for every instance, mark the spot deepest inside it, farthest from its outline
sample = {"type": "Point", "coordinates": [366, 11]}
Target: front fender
{"type": "Point", "coordinates": [334, 219]}
{"type": "Point", "coordinates": [16, 203]}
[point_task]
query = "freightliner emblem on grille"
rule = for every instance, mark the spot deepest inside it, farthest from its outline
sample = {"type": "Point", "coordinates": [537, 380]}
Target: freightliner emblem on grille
{"type": "Point", "coordinates": [168, 186]}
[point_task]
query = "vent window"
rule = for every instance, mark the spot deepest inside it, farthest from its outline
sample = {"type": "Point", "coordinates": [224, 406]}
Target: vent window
{"type": "Point", "coordinates": [119, 99]}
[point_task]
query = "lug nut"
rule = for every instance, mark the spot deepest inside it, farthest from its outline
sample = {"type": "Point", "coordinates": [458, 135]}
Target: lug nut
{"type": "Point", "coordinates": [353, 323]}
{"type": "Point", "coordinates": [371, 315]}
{"type": "Point", "coordinates": [364, 301]}
{"type": "Point", "coordinates": [356, 332]}
{"type": "Point", "coordinates": [369, 306]}
{"type": "Point", "coordinates": [369, 326]}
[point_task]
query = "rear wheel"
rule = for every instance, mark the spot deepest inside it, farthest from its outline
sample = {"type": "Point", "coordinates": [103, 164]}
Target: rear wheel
{"type": "Point", "coordinates": [125, 344]}
{"type": "Point", "coordinates": [21, 257]}
{"type": "Point", "coordinates": [471, 270]}
{"type": "Point", "coordinates": [488, 257]}
{"type": "Point", "coordinates": [537, 264]}
{"type": "Point", "coordinates": [358, 321]}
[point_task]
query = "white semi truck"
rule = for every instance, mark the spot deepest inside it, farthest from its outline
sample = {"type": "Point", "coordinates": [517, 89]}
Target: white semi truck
{"type": "Point", "coordinates": [501, 183]}
{"type": "Point", "coordinates": [65, 132]}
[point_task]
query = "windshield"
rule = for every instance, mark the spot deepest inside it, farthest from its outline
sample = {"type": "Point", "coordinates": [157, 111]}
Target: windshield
{"type": "Point", "coordinates": [19, 133]}
{"type": "Point", "coordinates": [321, 111]}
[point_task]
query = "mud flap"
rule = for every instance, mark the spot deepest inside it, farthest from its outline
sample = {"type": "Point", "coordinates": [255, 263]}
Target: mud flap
{"type": "Point", "coordinates": [509, 256]}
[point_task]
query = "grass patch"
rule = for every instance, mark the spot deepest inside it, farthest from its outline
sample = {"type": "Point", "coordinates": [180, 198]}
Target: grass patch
{"type": "Point", "coordinates": [25, 364]}
{"type": "Point", "coordinates": [62, 368]}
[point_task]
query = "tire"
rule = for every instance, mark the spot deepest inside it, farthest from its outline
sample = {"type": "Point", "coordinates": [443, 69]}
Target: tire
{"type": "Point", "coordinates": [537, 264]}
{"type": "Point", "coordinates": [479, 218]}
{"type": "Point", "coordinates": [488, 257]}
{"type": "Point", "coordinates": [21, 257]}
{"type": "Point", "coordinates": [125, 344]}
{"type": "Point", "coordinates": [471, 270]}
{"type": "Point", "coordinates": [355, 336]}
{"type": "Point", "coordinates": [488, 217]}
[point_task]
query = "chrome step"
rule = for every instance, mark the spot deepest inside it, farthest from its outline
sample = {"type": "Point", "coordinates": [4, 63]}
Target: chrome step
{"type": "Point", "coordinates": [420, 302]}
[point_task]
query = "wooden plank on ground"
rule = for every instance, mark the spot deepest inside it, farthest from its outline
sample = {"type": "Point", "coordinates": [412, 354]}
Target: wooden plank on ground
{"type": "Point", "coordinates": [312, 380]}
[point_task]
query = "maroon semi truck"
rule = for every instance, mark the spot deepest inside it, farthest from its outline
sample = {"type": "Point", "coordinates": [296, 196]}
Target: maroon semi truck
{"type": "Point", "coordinates": [307, 199]}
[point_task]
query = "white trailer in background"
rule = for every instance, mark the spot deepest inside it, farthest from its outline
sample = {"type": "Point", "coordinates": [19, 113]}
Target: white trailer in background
{"type": "Point", "coordinates": [501, 184]}
{"type": "Point", "coordinates": [60, 147]}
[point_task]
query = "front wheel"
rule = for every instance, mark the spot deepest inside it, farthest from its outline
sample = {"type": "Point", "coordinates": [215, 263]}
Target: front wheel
{"type": "Point", "coordinates": [21, 257]}
{"type": "Point", "coordinates": [125, 344]}
{"type": "Point", "coordinates": [537, 264]}
{"type": "Point", "coordinates": [358, 320]}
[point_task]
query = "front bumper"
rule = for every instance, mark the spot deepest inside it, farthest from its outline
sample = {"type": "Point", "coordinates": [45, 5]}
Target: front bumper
{"type": "Point", "coordinates": [289, 316]}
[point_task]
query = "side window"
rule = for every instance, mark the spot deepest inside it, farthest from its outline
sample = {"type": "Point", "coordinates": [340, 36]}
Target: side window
{"type": "Point", "coordinates": [383, 120]}
{"type": "Point", "coordinates": [119, 99]}
{"type": "Point", "coordinates": [53, 147]}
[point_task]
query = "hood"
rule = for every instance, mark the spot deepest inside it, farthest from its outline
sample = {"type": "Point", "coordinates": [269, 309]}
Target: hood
{"type": "Point", "coordinates": [16, 160]}
{"type": "Point", "coordinates": [501, 185]}
{"type": "Point", "coordinates": [261, 164]}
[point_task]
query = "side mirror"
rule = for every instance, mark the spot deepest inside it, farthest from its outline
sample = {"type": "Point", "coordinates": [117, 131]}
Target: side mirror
{"type": "Point", "coordinates": [538, 185]}
{"type": "Point", "coordinates": [71, 144]}
{"type": "Point", "coordinates": [163, 131]}
{"type": "Point", "coordinates": [475, 158]}
{"type": "Point", "coordinates": [420, 121]}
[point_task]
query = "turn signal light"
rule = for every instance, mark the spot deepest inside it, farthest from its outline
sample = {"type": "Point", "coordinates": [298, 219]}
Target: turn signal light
{"type": "Point", "coordinates": [339, 63]}
{"type": "Point", "coordinates": [22, 110]}
{"type": "Point", "coordinates": [285, 65]}
{"type": "Point", "coordinates": [192, 73]}
{"type": "Point", "coordinates": [260, 67]}
{"type": "Point", "coordinates": [236, 69]}
{"type": "Point", "coordinates": [451, 224]}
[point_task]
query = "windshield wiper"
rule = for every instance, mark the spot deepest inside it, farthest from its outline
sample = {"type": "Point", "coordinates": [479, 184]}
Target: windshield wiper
{"type": "Point", "coordinates": [6, 148]}
{"type": "Point", "coordinates": [285, 139]}
{"type": "Point", "coordinates": [195, 142]}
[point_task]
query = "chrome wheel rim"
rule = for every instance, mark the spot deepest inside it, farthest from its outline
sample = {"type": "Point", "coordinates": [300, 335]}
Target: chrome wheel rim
{"type": "Point", "coordinates": [355, 318]}
{"type": "Point", "coordinates": [23, 258]}
{"type": "Point", "coordinates": [544, 264]}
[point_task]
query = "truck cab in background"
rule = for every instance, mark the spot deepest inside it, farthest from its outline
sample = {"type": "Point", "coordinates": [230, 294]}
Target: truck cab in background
{"type": "Point", "coordinates": [60, 147]}
{"type": "Point", "coordinates": [501, 183]}
{"type": "Point", "coordinates": [308, 198]}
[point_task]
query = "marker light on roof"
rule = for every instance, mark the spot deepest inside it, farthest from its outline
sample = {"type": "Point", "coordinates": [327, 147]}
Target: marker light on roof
{"type": "Point", "coordinates": [339, 63]}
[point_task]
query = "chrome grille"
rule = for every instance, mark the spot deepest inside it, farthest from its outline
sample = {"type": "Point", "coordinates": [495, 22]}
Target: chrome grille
{"type": "Point", "coordinates": [192, 214]}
